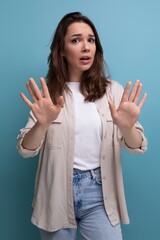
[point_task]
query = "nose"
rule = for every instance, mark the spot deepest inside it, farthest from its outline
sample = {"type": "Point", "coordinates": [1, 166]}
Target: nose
{"type": "Point", "coordinates": [85, 47]}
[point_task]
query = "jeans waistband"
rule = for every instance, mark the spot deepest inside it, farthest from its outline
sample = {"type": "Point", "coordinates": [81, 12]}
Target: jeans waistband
{"type": "Point", "coordinates": [86, 173]}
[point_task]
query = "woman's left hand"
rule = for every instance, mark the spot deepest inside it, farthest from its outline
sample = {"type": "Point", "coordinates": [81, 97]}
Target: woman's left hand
{"type": "Point", "coordinates": [126, 115]}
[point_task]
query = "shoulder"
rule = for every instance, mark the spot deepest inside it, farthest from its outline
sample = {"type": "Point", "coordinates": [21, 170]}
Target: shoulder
{"type": "Point", "coordinates": [115, 86]}
{"type": "Point", "coordinates": [114, 91]}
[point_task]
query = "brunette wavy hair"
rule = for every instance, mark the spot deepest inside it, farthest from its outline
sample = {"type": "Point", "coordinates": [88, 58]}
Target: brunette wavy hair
{"type": "Point", "coordinates": [94, 81]}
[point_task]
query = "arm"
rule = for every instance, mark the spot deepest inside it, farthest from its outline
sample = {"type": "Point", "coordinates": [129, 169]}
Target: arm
{"type": "Point", "coordinates": [133, 138]}
{"type": "Point", "coordinates": [33, 138]}
{"type": "Point", "coordinates": [22, 133]}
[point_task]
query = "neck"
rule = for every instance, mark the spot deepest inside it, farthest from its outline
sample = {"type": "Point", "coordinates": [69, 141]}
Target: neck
{"type": "Point", "coordinates": [75, 77]}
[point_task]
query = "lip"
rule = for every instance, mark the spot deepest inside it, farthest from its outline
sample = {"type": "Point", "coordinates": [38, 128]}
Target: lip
{"type": "Point", "coordinates": [85, 59]}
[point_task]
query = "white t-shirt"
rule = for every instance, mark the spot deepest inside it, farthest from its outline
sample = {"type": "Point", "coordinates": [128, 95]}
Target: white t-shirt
{"type": "Point", "coordinates": [88, 131]}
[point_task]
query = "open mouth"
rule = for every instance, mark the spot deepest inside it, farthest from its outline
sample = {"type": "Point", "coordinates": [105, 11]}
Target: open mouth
{"type": "Point", "coordinates": [85, 58]}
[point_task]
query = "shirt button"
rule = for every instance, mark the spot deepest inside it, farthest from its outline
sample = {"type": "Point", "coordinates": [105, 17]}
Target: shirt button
{"type": "Point", "coordinates": [104, 178]}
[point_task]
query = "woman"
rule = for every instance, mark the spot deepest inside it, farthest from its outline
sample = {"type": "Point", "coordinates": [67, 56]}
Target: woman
{"type": "Point", "coordinates": [78, 122]}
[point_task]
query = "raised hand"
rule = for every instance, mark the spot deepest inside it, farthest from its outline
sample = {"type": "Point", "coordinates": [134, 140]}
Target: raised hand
{"type": "Point", "coordinates": [42, 107]}
{"type": "Point", "coordinates": [126, 115]}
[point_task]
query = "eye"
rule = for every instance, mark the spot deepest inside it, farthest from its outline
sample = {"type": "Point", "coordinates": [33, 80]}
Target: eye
{"type": "Point", "coordinates": [91, 40]}
{"type": "Point", "coordinates": [75, 40]}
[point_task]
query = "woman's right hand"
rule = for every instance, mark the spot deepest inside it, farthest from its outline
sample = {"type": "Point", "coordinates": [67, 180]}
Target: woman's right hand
{"type": "Point", "coordinates": [42, 107]}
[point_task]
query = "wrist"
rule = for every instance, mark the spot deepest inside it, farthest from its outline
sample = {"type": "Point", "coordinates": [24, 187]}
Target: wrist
{"type": "Point", "coordinates": [42, 127]}
{"type": "Point", "coordinates": [132, 137]}
{"type": "Point", "coordinates": [127, 130]}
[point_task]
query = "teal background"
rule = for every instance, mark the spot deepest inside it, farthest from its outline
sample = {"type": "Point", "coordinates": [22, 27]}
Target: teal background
{"type": "Point", "coordinates": [130, 35]}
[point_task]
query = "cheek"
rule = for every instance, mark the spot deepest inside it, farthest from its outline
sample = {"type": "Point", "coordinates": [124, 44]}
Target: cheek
{"type": "Point", "coordinates": [93, 54]}
{"type": "Point", "coordinates": [94, 50]}
{"type": "Point", "coordinates": [70, 54]}
{"type": "Point", "coordinates": [70, 58]}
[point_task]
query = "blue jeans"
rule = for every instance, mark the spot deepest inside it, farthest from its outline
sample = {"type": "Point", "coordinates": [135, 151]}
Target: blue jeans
{"type": "Point", "coordinates": [90, 214]}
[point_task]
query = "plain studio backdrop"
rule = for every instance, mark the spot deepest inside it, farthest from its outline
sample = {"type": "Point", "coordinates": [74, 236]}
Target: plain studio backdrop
{"type": "Point", "coordinates": [130, 35]}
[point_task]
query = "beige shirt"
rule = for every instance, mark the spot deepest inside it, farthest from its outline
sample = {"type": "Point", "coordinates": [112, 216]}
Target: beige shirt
{"type": "Point", "coordinates": [53, 196]}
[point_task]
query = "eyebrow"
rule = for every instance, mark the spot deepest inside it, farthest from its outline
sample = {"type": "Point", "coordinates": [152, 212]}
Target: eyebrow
{"type": "Point", "coordinates": [79, 35]}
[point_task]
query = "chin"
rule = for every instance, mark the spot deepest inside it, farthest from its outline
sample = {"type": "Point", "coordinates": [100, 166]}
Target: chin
{"type": "Point", "coordinates": [85, 68]}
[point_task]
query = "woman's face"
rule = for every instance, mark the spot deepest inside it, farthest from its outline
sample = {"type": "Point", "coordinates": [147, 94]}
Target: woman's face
{"type": "Point", "coordinates": [79, 49]}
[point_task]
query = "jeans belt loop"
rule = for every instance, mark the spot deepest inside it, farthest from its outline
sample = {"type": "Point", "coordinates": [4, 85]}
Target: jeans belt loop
{"type": "Point", "coordinates": [93, 174]}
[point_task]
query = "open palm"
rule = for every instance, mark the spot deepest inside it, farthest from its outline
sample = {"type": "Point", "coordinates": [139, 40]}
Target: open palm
{"type": "Point", "coordinates": [126, 115]}
{"type": "Point", "coordinates": [42, 107]}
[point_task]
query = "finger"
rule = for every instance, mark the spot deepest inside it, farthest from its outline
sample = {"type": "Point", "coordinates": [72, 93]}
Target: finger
{"type": "Point", "coordinates": [134, 91]}
{"type": "Point", "coordinates": [44, 88]}
{"type": "Point", "coordinates": [60, 102]}
{"type": "Point", "coordinates": [25, 99]}
{"type": "Point", "coordinates": [31, 92]}
{"type": "Point", "coordinates": [126, 92]}
{"type": "Point", "coordinates": [138, 93]}
{"type": "Point", "coordinates": [140, 105]}
{"type": "Point", "coordinates": [35, 89]}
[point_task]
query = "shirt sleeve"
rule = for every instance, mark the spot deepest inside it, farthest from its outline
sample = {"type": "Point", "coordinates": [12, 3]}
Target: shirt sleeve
{"type": "Point", "coordinates": [144, 143]}
{"type": "Point", "coordinates": [26, 153]}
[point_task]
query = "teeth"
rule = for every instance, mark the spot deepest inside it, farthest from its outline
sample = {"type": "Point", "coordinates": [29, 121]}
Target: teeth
{"type": "Point", "coordinates": [84, 58]}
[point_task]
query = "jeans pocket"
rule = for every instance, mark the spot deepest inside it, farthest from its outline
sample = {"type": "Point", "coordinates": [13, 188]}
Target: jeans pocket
{"type": "Point", "coordinates": [96, 175]}
{"type": "Point", "coordinates": [98, 179]}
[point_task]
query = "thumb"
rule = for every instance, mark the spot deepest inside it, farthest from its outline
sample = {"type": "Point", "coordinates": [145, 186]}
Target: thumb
{"type": "Point", "coordinates": [112, 108]}
{"type": "Point", "coordinates": [60, 101]}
